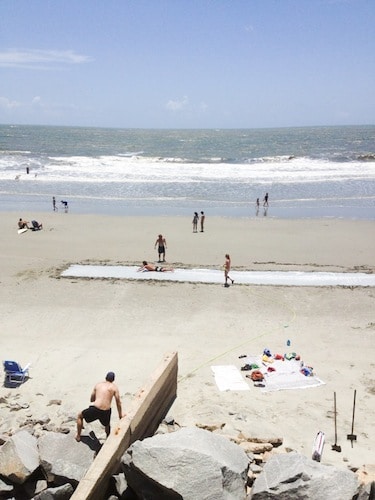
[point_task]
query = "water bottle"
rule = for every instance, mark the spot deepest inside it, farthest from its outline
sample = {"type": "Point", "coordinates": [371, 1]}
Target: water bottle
{"type": "Point", "coordinates": [288, 342]}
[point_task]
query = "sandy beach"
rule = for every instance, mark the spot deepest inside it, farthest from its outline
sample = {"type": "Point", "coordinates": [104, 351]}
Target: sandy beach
{"type": "Point", "coordinates": [73, 331]}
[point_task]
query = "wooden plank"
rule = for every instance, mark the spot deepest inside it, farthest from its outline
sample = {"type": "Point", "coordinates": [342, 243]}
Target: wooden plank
{"type": "Point", "coordinates": [149, 406]}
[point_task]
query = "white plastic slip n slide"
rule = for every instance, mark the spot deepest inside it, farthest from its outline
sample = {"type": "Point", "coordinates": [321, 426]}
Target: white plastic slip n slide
{"type": "Point", "coordinates": [282, 278]}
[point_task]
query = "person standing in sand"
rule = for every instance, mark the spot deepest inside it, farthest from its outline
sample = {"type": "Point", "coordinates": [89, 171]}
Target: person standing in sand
{"type": "Point", "coordinates": [203, 217]}
{"type": "Point", "coordinates": [161, 243]}
{"type": "Point", "coordinates": [227, 265]}
{"type": "Point", "coordinates": [195, 222]}
{"type": "Point", "coordinates": [101, 399]}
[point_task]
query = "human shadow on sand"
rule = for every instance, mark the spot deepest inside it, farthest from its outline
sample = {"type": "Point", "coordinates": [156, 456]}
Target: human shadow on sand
{"type": "Point", "coordinates": [92, 442]}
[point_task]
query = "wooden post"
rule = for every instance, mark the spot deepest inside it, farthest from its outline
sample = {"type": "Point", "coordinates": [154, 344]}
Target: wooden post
{"type": "Point", "coordinates": [146, 412]}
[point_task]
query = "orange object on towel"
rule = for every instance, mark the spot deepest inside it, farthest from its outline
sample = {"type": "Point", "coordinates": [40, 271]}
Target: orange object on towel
{"type": "Point", "coordinates": [256, 376]}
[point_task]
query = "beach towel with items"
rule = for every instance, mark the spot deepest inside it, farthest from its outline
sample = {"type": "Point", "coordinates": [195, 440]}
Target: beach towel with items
{"type": "Point", "coordinates": [275, 372]}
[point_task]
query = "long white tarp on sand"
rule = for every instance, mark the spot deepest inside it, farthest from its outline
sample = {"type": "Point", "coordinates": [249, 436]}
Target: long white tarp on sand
{"type": "Point", "coordinates": [283, 278]}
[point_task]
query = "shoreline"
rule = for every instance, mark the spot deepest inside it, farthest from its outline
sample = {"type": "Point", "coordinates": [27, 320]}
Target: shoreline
{"type": "Point", "coordinates": [73, 331]}
{"type": "Point", "coordinates": [341, 209]}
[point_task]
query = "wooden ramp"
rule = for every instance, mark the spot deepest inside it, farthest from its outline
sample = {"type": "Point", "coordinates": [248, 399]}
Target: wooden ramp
{"type": "Point", "coordinates": [147, 410]}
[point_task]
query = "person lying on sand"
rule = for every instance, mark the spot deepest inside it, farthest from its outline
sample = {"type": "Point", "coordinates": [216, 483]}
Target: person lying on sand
{"type": "Point", "coordinates": [151, 267]}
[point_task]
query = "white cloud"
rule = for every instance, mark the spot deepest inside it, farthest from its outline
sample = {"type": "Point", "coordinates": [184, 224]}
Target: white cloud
{"type": "Point", "coordinates": [203, 106]}
{"type": "Point", "coordinates": [178, 105]}
{"type": "Point", "coordinates": [28, 58]}
{"type": "Point", "coordinates": [6, 103]}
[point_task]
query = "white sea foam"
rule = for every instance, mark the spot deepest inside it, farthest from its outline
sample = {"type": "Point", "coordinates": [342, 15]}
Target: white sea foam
{"type": "Point", "coordinates": [316, 171]}
{"type": "Point", "coordinates": [125, 169]}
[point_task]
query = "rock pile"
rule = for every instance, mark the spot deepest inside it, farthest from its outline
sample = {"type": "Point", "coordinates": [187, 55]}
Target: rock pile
{"type": "Point", "coordinates": [31, 466]}
{"type": "Point", "coordinates": [208, 462]}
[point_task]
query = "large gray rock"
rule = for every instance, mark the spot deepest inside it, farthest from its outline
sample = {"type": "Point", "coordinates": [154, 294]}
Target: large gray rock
{"type": "Point", "coordinates": [191, 463]}
{"type": "Point", "coordinates": [62, 458]}
{"type": "Point", "coordinates": [292, 476]}
{"type": "Point", "coordinates": [5, 488]}
{"type": "Point", "coordinates": [19, 457]}
{"type": "Point", "coordinates": [63, 492]}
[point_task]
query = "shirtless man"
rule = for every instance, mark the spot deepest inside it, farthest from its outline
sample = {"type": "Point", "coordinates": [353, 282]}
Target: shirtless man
{"type": "Point", "coordinates": [227, 265]}
{"type": "Point", "coordinates": [161, 243]}
{"type": "Point", "coordinates": [23, 224]}
{"type": "Point", "coordinates": [151, 267]}
{"type": "Point", "coordinates": [101, 399]}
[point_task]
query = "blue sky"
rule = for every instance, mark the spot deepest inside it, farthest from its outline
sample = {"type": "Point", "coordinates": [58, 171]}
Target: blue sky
{"type": "Point", "coordinates": [187, 63]}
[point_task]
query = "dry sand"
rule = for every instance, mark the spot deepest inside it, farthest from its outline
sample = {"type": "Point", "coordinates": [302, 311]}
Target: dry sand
{"type": "Point", "coordinates": [74, 330]}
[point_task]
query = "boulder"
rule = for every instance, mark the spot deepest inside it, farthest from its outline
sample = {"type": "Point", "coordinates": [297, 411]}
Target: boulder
{"type": "Point", "coordinates": [63, 459]}
{"type": "Point", "coordinates": [63, 492]}
{"type": "Point", "coordinates": [120, 483]}
{"type": "Point", "coordinates": [292, 476]}
{"type": "Point", "coordinates": [32, 488]}
{"type": "Point", "coordinates": [5, 488]}
{"type": "Point", "coordinates": [180, 464]}
{"type": "Point", "coordinates": [19, 457]}
{"type": "Point", "coordinates": [366, 491]}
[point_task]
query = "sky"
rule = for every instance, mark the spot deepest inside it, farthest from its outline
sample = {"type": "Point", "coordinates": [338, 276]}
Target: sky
{"type": "Point", "coordinates": [187, 63]}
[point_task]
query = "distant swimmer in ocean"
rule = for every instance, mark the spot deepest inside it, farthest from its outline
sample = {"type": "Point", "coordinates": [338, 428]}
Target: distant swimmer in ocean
{"type": "Point", "coordinates": [265, 200]}
{"type": "Point", "coordinates": [150, 267]}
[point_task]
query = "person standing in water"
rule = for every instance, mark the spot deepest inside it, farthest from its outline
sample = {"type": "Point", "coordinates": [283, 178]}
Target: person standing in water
{"type": "Point", "coordinates": [265, 200]}
{"type": "Point", "coordinates": [227, 266]}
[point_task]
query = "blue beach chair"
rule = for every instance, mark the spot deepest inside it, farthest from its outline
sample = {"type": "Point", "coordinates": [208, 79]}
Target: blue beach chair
{"type": "Point", "coordinates": [14, 374]}
{"type": "Point", "coordinates": [36, 226]}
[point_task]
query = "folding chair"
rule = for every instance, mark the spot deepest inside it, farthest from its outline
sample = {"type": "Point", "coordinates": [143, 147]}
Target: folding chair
{"type": "Point", "coordinates": [36, 226]}
{"type": "Point", "coordinates": [14, 374]}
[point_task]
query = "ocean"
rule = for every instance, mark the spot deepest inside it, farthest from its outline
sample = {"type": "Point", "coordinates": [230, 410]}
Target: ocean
{"type": "Point", "coordinates": [308, 172]}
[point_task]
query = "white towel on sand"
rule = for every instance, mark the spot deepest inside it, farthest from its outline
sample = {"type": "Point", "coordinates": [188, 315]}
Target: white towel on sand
{"type": "Point", "coordinates": [229, 378]}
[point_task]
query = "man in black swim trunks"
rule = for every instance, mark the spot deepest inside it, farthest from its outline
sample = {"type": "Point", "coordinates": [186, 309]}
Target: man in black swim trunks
{"type": "Point", "coordinates": [151, 267]}
{"type": "Point", "coordinates": [101, 397]}
{"type": "Point", "coordinates": [161, 243]}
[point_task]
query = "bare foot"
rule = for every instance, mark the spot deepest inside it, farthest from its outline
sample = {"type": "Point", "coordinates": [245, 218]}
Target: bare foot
{"type": "Point", "coordinates": [78, 438]}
